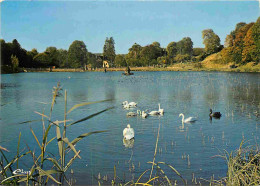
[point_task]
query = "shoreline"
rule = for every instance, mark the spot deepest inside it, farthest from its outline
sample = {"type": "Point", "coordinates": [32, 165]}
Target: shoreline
{"type": "Point", "coordinates": [191, 66]}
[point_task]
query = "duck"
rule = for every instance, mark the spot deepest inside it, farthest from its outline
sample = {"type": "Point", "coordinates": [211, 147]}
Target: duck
{"type": "Point", "coordinates": [160, 110]}
{"type": "Point", "coordinates": [130, 114]}
{"type": "Point", "coordinates": [214, 114]}
{"type": "Point", "coordinates": [187, 120]}
{"type": "Point", "coordinates": [128, 132]}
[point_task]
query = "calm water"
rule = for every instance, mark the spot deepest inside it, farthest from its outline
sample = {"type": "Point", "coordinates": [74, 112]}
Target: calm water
{"type": "Point", "coordinates": [235, 95]}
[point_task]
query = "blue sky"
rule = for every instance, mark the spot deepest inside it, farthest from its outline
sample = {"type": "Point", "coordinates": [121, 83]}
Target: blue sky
{"type": "Point", "coordinates": [39, 24]}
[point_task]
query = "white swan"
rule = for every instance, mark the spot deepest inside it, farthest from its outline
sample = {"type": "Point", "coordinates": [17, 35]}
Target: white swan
{"type": "Point", "coordinates": [143, 113]}
{"type": "Point", "coordinates": [187, 120]}
{"type": "Point", "coordinates": [128, 132]}
{"type": "Point", "coordinates": [154, 113]}
{"type": "Point", "coordinates": [160, 110]}
{"type": "Point", "coordinates": [131, 104]}
{"type": "Point", "coordinates": [127, 106]}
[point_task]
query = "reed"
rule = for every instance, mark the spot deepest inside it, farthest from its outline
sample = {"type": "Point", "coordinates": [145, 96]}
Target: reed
{"type": "Point", "coordinates": [243, 167]}
{"type": "Point", "coordinates": [46, 166]}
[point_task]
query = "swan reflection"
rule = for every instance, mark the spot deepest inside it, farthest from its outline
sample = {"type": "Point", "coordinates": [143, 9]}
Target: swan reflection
{"type": "Point", "coordinates": [128, 143]}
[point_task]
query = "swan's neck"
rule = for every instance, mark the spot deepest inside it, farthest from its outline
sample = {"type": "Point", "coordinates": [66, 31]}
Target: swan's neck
{"type": "Point", "coordinates": [159, 107]}
{"type": "Point", "coordinates": [182, 118]}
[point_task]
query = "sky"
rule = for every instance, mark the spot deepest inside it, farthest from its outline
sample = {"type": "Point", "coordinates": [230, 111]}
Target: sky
{"type": "Point", "coordinates": [40, 24]}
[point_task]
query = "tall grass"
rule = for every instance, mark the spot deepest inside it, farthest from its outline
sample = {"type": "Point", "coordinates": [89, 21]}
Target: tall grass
{"type": "Point", "coordinates": [46, 166]}
{"type": "Point", "coordinates": [243, 167]}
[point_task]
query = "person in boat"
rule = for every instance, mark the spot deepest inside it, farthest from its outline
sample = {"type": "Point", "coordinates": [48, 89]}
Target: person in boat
{"type": "Point", "coordinates": [128, 70]}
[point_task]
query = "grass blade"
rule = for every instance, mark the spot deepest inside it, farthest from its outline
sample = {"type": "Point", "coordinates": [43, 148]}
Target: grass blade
{"type": "Point", "coordinates": [71, 161]}
{"type": "Point", "coordinates": [41, 114]}
{"type": "Point", "coordinates": [49, 173]}
{"type": "Point", "coordinates": [55, 162]}
{"type": "Point", "coordinates": [87, 103]}
{"type": "Point", "coordinates": [91, 116]}
{"type": "Point", "coordinates": [66, 140]}
{"type": "Point", "coordinates": [171, 167]}
{"type": "Point", "coordinates": [30, 121]}
{"type": "Point", "coordinates": [142, 175]}
{"type": "Point", "coordinates": [18, 147]}
{"type": "Point", "coordinates": [59, 140]}
{"type": "Point", "coordinates": [2, 148]}
{"type": "Point", "coordinates": [36, 138]}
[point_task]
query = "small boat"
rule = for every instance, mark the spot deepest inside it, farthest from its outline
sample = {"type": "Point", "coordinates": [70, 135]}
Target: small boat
{"type": "Point", "coordinates": [127, 74]}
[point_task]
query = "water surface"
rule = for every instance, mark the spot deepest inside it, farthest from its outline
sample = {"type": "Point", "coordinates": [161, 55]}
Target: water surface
{"type": "Point", "coordinates": [235, 95]}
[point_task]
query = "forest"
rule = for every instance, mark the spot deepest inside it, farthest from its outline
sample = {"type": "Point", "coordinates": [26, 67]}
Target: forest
{"type": "Point", "coordinates": [241, 46]}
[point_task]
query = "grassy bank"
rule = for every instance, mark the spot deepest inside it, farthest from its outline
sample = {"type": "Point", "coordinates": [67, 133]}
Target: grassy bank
{"type": "Point", "coordinates": [189, 66]}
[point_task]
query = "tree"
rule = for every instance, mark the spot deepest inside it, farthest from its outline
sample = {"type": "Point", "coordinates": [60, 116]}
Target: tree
{"type": "Point", "coordinates": [198, 51]}
{"type": "Point", "coordinates": [77, 54]}
{"type": "Point", "coordinates": [171, 50]}
{"type": "Point", "coordinates": [256, 37]}
{"type": "Point", "coordinates": [20, 53]}
{"type": "Point", "coordinates": [30, 55]}
{"type": "Point", "coordinates": [134, 55]}
{"type": "Point", "coordinates": [62, 58]}
{"type": "Point", "coordinates": [41, 60]}
{"type": "Point", "coordinates": [211, 41]}
{"type": "Point", "coordinates": [109, 50]}
{"type": "Point", "coordinates": [53, 54]}
{"type": "Point", "coordinates": [120, 61]}
{"type": "Point", "coordinates": [5, 53]}
{"type": "Point", "coordinates": [185, 46]}
{"type": "Point", "coordinates": [135, 51]}
{"type": "Point", "coordinates": [149, 55]}
{"type": "Point", "coordinates": [238, 44]}
{"type": "Point", "coordinates": [15, 63]}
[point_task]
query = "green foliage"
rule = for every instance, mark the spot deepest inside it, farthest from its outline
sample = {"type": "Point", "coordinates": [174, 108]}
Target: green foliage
{"type": "Point", "coordinates": [120, 61]}
{"type": "Point", "coordinates": [149, 54]}
{"type": "Point", "coordinates": [41, 60]}
{"type": "Point", "coordinates": [94, 60]}
{"type": "Point", "coordinates": [198, 51]}
{"type": "Point", "coordinates": [53, 55]}
{"type": "Point", "coordinates": [171, 50]}
{"type": "Point", "coordinates": [185, 46]}
{"type": "Point", "coordinates": [77, 54]}
{"type": "Point", "coordinates": [134, 55]}
{"type": "Point", "coordinates": [15, 63]}
{"type": "Point", "coordinates": [256, 38]}
{"type": "Point", "coordinates": [211, 41]}
{"type": "Point", "coordinates": [182, 58]}
{"type": "Point", "coordinates": [109, 50]}
{"type": "Point", "coordinates": [62, 58]}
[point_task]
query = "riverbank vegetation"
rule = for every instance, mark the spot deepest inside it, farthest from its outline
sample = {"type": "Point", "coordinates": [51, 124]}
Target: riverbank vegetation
{"type": "Point", "coordinates": [242, 46]}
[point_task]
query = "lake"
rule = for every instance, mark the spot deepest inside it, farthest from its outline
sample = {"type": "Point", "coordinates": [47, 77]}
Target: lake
{"type": "Point", "coordinates": [235, 95]}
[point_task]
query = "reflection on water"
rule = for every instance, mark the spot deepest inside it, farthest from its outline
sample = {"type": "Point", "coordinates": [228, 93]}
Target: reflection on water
{"type": "Point", "coordinates": [235, 95]}
{"type": "Point", "coordinates": [128, 143]}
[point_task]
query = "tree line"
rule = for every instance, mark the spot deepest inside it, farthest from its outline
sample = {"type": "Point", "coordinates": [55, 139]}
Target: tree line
{"type": "Point", "coordinates": [242, 45]}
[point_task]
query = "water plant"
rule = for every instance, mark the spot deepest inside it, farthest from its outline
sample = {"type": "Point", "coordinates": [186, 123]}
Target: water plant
{"type": "Point", "coordinates": [45, 165]}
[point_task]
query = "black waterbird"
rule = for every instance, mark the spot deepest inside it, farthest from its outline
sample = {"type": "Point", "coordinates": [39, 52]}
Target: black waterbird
{"type": "Point", "coordinates": [214, 114]}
